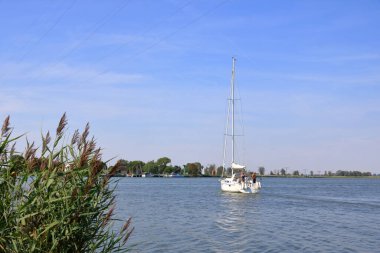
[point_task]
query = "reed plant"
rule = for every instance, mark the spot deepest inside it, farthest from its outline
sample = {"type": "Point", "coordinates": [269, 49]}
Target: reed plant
{"type": "Point", "coordinates": [57, 197]}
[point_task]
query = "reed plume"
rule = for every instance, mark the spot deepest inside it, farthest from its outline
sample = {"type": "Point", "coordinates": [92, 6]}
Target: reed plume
{"type": "Point", "coordinates": [45, 141]}
{"type": "Point", "coordinates": [5, 128]}
{"type": "Point", "coordinates": [60, 201]}
{"type": "Point", "coordinates": [62, 124]}
{"type": "Point", "coordinates": [75, 137]}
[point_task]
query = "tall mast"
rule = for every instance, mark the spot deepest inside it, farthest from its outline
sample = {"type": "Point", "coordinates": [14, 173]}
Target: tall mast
{"type": "Point", "coordinates": [233, 111]}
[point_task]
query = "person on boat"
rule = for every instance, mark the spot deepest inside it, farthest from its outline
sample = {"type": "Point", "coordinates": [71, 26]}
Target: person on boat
{"type": "Point", "coordinates": [254, 177]}
{"type": "Point", "coordinates": [242, 178]}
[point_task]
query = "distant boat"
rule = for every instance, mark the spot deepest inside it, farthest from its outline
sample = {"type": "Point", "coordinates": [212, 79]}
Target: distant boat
{"type": "Point", "coordinates": [146, 175]}
{"type": "Point", "coordinates": [173, 175]}
{"type": "Point", "coordinates": [237, 182]}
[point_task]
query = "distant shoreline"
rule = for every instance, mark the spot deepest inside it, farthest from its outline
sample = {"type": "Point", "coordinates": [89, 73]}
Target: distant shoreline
{"type": "Point", "coordinates": [290, 176]}
{"type": "Point", "coordinates": [264, 176]}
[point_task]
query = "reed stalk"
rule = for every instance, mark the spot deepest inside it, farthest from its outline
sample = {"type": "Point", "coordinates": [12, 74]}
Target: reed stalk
{"type": "Point", "coordinates": [59, 200]}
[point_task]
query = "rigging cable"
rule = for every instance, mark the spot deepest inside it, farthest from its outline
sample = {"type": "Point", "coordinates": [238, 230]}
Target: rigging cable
{"type": "Point", "coordinates": [116, 49]}
{"type": "Point", "coordinates": [166, 37]}
{"type": "Point", "coordinates": [51, 28]}
{"type": "Point", "coordinates": [32, 24]}
{"type": "Point", "coordinates": [95, 28]}
{"type": "Point", "coordinates": [99, 25]}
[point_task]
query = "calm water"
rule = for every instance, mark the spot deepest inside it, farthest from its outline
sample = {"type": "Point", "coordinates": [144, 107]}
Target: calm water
{"type": "Point", "coordinates": [288, 215]}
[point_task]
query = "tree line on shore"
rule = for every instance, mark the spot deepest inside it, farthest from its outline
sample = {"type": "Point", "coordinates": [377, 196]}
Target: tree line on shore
{"type": "Point", "coordinates": [338, 173]}
{"type": "Point", "coordinates": [163, 166]}
{"type": "Point", "coordinates": [194, 169]}
{"type": "Point", "coordinates": [160, 166]}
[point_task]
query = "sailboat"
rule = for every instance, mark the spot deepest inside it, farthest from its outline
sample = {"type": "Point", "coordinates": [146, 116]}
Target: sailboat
{"type": "Point", "coordinates": [239, 181]}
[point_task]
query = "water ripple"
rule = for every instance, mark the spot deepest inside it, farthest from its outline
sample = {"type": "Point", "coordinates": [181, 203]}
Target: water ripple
{"type": "Point", "coordinates": [192, 215]}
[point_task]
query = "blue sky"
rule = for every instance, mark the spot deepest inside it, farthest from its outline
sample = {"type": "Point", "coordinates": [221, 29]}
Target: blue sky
{"type": "Point", "coordinates": [152, 78]}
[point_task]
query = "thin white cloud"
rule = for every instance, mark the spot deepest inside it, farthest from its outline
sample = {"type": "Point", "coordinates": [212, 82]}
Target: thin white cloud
{"type": "Point", "coordinates": [59, 88]}
{"type": "Point", "coordinates": [30, 75]}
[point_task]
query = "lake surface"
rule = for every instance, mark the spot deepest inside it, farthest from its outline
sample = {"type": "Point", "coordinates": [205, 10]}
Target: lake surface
{"type": "Point", "coordinates": [288, 215]}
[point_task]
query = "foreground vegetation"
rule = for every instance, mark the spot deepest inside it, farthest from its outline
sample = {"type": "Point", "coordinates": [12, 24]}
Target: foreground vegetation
{"type": "Point", "coordinates": [58, 201]}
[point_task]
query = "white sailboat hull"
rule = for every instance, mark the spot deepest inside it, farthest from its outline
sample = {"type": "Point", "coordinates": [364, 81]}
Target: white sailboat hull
{"type": "Point", "coordinates": [231, 185]}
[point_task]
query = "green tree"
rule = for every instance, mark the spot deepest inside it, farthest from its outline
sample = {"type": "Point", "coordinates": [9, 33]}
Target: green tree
{"type": "Point", "coordinates": [192, 169]}
{"type": "Point", "coordinates": [199, 167]}
{"type": "Point", "coordinates": [261, 170]}
{"type": "Point", "coordinates": [136, 167]}
{"type": "Point", "coordinates": [210, 170]}
{"type": "Point", "coordinates": [162, 163]}
{"type": "Point", "coordinates": [122, 167]}
{"type": "Point", "coordinates": [168, 169]}
{"type": "Point", "coordinates": [150, 167]}
{"type": "Point", "coordinates": [219, 171]}
{"type": "Point", "coordinates": [176, 169]}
